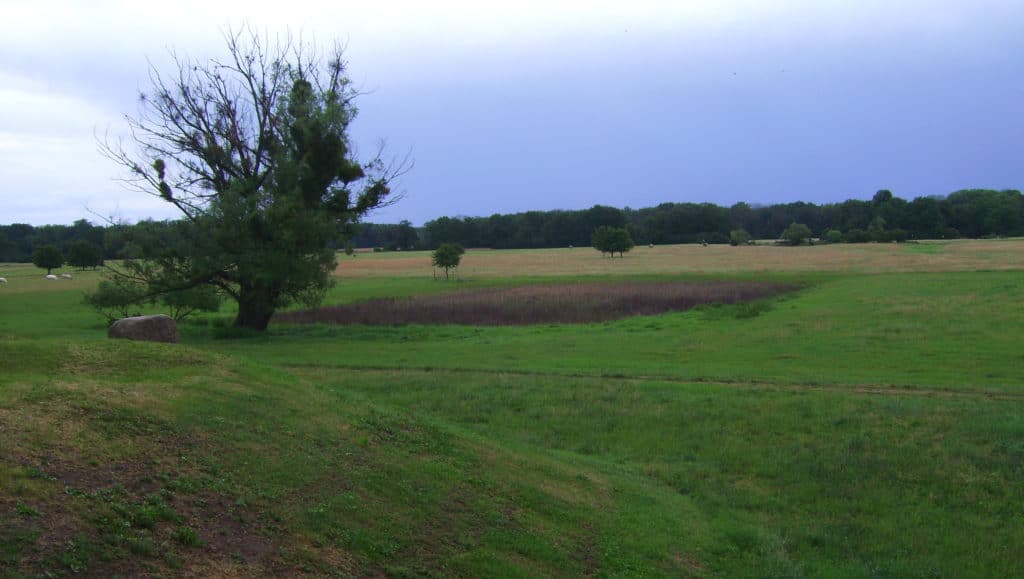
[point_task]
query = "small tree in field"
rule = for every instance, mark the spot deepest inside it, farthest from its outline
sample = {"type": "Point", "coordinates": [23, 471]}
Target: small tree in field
{"type": "Point", "coordinates": [612, 240]}
{"type": "Point", "coordinates": [252, 149]}
{"type": "Point", "coordinates": [796, 234]}
{"type": "Point", "coordinates": [47, 257]}
{"type": "Point", "coordinates": [448, 256]}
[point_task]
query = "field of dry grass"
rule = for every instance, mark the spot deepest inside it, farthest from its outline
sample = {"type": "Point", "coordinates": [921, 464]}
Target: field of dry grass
{"type": "Point", "coordinates": [578, 303]}
{"type": "Point", "coordinates": [931, 256]}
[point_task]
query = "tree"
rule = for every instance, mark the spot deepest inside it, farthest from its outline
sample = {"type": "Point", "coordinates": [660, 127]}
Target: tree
{"type": "Point", "coordinates": [253, 150]}
{"type": "Point", "coordinates": [84, 254]}
{"type": "Point", "coordinates": [739, 237]}
{"type": "Point", "coordinates": [796, 233]}
{"type": "Point", "coordinates": [447, 256]}
{"type": "Point", "coordinates": [47, 257]}
{"type": "Point", "coordinates": [612, 240]}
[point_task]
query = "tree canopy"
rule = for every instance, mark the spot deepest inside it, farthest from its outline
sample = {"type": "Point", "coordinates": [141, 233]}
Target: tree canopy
{"type": "Point", "coordinates": [612, 240]}
{"type": "Point", "coordinates": [47, 257]}
{"type": "Point", "coordinates": [447, 256]}
{"type": "Point", "coordinates": [253, 150]}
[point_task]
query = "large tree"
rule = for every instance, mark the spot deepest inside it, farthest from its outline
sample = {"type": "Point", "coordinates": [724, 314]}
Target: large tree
{"type": "Point", "coordinates": [253, 150]}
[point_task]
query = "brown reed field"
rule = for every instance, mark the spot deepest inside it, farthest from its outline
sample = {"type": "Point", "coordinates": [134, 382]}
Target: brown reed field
{"type": "Point", "coordinates": [576, 303]}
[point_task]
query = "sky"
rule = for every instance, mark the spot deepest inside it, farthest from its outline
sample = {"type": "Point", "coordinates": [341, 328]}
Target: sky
{"type": "Point", "coordinates": [524, 105]}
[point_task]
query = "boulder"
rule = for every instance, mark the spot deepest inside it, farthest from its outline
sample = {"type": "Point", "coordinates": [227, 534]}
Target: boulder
{"type": "Point", "coordinates": [158, 328]}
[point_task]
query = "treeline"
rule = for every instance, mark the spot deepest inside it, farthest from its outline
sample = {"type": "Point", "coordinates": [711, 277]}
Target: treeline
{"type": "Point", "coordinates": [969, 213]}
{"type": "Point", "coordinates": [19, 241]}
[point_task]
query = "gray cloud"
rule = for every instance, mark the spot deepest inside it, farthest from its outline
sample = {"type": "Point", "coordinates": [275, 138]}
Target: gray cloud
{"type": "Point", "coordinates": [510, 107]}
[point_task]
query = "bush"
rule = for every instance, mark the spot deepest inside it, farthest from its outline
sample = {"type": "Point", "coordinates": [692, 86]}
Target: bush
{"type": "Point", "coordinates": [796, 234]}
{"type": "Point", "coordinates": [739, 237]}
{"type": "Point", "coordinates": [833, 236]}
{"type": "Point", "coordinates": [857, 236]}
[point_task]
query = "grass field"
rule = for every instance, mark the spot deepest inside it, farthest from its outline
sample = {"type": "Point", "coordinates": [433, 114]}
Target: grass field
{"type": "Point", "coordinates": [871, 424]}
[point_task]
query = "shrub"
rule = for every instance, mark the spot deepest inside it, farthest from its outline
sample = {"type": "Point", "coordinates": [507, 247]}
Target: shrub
{"type": "Point", "coordinates": [796, 234]}
{"type": "Point", "coordinates": [833, 236]}
{"type": "Point", "coordinates": [739, 237]}
{"type": "Point", "coordinates": [857, 236]}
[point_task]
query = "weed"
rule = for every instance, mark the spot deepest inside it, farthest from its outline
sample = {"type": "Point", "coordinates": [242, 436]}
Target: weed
{"type": "Point", "coordinates": [26, 510]}
{"type": "Point", "coordinates": [186, 536]}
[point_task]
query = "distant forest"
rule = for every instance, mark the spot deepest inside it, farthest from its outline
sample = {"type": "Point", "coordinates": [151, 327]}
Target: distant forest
{"type": "Point", "coordinates": [969, 213]}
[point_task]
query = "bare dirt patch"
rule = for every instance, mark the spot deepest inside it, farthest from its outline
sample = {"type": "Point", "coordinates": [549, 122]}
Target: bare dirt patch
{"type": "Point", "coordinates": [541, 304]}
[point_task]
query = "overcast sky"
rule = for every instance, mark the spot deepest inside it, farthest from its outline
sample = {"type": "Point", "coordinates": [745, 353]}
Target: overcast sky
{"type": "Point", "coordinates": [512, 106]}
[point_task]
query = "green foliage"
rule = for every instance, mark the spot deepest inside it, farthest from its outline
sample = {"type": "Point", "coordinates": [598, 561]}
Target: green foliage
{"type": "Point", "coordinates": [186, 536]}
{"type": "Point", "coordinates": [612, 240]}
{"type": "Point", "coordinates": [121, 297]}
{"type": "Point", "coordinates": [796, 234]}
{"type": "Point", "coordinates": [84, 254]}
{"type": "Point", "coordinates": [739, 237]}
{"type": "Point", "coordinates": [47, 257]}
{"type": "Point", "coordinates": [857, 236]}
{"type": "Point", "coordinates": [262, 207]}
{"type": "Point", "coordinates": [833, 236]}
{"type": "Point", "coordinates": [447, 256]}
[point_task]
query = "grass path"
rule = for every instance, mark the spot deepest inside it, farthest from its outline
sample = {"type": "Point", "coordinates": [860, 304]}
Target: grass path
{"type": "Point", "coordinates": [868, 389]}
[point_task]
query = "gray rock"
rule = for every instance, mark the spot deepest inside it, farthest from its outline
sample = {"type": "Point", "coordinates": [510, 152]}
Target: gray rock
{"type": "Point", "coordinates": [158, 328]}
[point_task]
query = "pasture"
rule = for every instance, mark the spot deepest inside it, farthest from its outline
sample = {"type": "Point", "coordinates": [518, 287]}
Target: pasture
{"type": "Point", "coordinates": [868, 424]}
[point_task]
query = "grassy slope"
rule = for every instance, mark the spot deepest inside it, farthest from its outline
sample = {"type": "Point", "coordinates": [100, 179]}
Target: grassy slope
{"type": "Point", "coordinates": [326, 450]}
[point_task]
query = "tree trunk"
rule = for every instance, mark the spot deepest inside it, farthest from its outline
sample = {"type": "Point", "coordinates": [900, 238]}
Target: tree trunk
{"type": "Point", "coordinates": [255, 307]}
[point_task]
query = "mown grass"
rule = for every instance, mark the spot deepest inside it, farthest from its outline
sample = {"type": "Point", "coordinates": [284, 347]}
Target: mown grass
{"type": "Point", "coordinates": [867, 425]}
{"type": "Point", "coordinates": [943, 330]}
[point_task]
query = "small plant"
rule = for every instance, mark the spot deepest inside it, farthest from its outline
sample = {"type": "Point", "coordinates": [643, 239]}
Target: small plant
{"type": "Point", "coordinates": [142, 546]}
{"type": "Point", "coordinates": [26, 510]}
{"type": "Point", "coordinates": [186, 536]}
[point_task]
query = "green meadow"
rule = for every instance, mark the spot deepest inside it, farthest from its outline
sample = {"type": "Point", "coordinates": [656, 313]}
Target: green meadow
{"type": "Point", "coordinates": [868, 424]}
